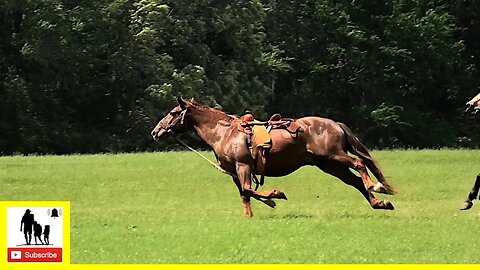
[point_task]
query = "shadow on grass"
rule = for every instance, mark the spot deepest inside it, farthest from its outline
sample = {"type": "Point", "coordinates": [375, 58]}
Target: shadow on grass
{"type": "Point", "coordinates": [290, 216]}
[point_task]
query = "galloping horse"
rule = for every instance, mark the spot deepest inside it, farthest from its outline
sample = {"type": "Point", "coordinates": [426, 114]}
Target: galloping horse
{"type": "Point", "coordinates": [321, 142]}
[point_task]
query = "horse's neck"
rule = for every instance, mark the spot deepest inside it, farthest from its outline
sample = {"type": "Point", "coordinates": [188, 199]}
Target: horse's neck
{"type": "Point", "coordinates": [210, 127]}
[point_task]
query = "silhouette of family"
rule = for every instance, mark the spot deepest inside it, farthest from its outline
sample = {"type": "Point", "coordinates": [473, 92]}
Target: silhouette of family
{"type": "Point", "coordinates": [29, 225]}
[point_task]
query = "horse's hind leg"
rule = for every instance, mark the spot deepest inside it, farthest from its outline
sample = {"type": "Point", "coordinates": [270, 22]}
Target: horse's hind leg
{"type": "Point", "coordinates": [472, 195]}
{"type": "Point", "coordinates": [343, 172]}
{"type": "Point", "coordinates": [360, 167]}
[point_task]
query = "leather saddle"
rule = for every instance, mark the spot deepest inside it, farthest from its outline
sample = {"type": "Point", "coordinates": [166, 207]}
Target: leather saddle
{"type": "Point", "coordinates": [260, 141]}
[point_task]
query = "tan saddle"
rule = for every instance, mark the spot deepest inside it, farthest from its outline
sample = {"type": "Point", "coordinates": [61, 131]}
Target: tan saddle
{"type": "Point", "coordinates": [260, 141]}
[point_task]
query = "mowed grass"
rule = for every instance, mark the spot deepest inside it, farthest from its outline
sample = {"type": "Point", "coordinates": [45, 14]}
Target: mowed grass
{"type": "Point", "coordinates": [175, 208]}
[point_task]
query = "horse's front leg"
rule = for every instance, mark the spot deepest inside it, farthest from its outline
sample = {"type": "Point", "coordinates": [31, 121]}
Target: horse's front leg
{"type": "Point", "coordinates": [244, 174]}
{"type": "Point", "coordinates": [268, 202]}
{"type": "Point", "coordinates": [270, 194]}
{"type": "Point", "coordinates": [247, 208]}
{"type": "Point", "coordinates": [244, 184]}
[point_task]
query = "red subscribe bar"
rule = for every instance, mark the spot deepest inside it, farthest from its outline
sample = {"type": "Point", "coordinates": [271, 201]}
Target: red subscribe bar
{"type": "Point", "coordinates": [34, 255]}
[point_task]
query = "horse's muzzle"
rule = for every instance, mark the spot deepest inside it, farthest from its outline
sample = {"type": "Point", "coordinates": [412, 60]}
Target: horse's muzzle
{"type": "Point", "coordinates": [158, 133]}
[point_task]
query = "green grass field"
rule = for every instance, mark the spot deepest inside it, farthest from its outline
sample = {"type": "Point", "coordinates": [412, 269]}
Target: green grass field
{"type": "Point", "coordinates": [175, 208]}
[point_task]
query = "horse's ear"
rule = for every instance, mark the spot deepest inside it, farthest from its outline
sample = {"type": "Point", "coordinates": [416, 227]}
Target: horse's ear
{"type": "Point", "coordinates": [182, 102]}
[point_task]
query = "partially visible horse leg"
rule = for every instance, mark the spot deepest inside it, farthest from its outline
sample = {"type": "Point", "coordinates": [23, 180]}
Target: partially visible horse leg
{"type": "Point", "coordinates": [472, 195]}
{"type": "Point", "coordinates": [343, 172]}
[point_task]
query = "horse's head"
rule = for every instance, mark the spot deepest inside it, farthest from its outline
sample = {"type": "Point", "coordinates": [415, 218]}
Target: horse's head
{"type": "Point", "coordinates": [474, 103]}
{"type": "Point", "coordinates": [172, 123]}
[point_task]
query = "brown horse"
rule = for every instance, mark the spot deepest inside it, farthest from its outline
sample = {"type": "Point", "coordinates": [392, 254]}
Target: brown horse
{"type": "Point", "coordinates": [322, 142]}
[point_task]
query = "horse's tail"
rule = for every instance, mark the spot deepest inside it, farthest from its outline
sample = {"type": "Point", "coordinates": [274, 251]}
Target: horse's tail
{"type": "Point", "coordinates": [355, 146]}
{"type": "Point", "coordinates": [472, 195]}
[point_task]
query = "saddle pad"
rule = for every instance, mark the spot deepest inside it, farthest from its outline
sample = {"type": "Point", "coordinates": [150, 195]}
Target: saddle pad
{"type": "Point", "coordinates": [261, 136]}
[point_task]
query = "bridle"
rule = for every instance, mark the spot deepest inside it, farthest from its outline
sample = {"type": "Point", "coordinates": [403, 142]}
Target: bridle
{"type": "Point", "coordinates": [180, 119]}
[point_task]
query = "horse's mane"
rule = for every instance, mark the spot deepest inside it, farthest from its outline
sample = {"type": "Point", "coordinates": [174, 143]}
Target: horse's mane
{"type": "Point", "coordinates": [217, 113]}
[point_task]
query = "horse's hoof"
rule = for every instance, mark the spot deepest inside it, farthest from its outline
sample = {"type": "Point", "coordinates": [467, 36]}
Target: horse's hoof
{"type": "Point", "coordinates": [467, 205]}
{"type": "Point", "coordinates": [282, 196]}
{"type": "Point", "coordinates": [247, 214]}
{"type": "Point", "coordinates": [385, 205]}
{"type": "Point", "coordinates": [389, 205]}
{"type": "Point", "coordinates": [278, 194]}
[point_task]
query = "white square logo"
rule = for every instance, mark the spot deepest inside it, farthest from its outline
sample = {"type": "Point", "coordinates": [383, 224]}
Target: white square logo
{"type": "Point", "coordinates": [35, 233]}
{"type": "Point", "coordinates": [16, 255]}
{"type": "Point", "coordinates": [40, 236]}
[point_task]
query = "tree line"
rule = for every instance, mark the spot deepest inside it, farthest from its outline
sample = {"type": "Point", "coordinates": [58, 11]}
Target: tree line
{"type": "Point", "coordinates": [95, 76]}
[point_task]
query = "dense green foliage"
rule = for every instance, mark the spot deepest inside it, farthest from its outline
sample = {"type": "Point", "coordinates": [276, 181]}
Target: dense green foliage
{"type": "Point", "coordinates": [173, 207]}
{"type": "Point", "coordinates": [95, 76]}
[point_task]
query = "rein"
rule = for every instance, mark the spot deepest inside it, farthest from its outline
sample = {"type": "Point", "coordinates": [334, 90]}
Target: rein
{"type": "Point", "coordinates": [169, 130]}
{"type": "Point", "coordinates": [198, 153]}
{"type": "Point", "coordinates": [254, 178]}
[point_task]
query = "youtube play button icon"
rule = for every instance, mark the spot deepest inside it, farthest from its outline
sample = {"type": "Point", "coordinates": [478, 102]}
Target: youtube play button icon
{"type": "Point", "coordinates": [15, 255]}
